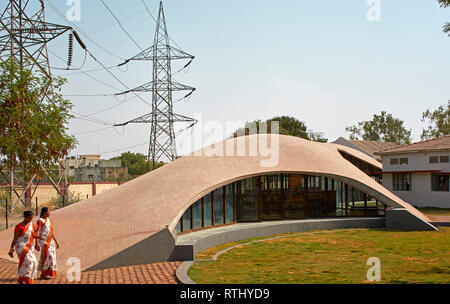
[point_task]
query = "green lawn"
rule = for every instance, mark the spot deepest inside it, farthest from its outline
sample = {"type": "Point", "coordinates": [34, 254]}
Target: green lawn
{"type": "Point", "coordinates": [338, 256]}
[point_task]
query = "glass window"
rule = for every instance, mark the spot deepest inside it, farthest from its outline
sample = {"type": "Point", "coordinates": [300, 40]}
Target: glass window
{"type": "Point", "coordinates": [247, 199]}
{"type": "Point", "coordinates": [295, 197]}
{"type": "Point", "coordinates": [207, 205]}
{"type": "Point", "coordinates": [178, 227]}
{"type": "Point", "coordinates": [394, 161]}
{"type": "Point", "coordinates": [444, 159]}
{"type": "Point", "coordinates": [187, 220]}
{"type": "Point", "coordinates": [439, 182]}
{"type": "Point", "coordinates": [197, 210]}
{"type": "Point", "coordinates": [402, 182]}
{"type": "Point", "coordinates": [218, 207]}
{"type": "Point", "coordinates": [230, 203]}
{"type": "Point", "coordinates": [434, 159]}
{"type": "Point", "coordinates": [403, 161]}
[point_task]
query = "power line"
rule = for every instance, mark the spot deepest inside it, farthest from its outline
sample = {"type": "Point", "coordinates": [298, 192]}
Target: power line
{"type": "Point", "coordinates": [109, 108]}
{"type": "Point", "coordinates": [93, 57]}
{"type": "Point", "coordinates": [135, 146]}
{"type": "Point", "coordinates": [121, 26]}
{"type": "Point", "coordinates": [86, 74]}
{"type": "Point", "coordinates": [93, 120]}
{"type": "Point", "coordinates": [93, 131]}
{"type": "Point", "coordinates": [81, 31]}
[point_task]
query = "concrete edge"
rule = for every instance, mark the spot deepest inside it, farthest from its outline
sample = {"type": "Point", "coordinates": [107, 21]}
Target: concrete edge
{"type": "Point", "coordinates": [405, 220]}
{"type": "Point", "coordinates": [188, 251]}
{"type": "Point", "coordinates": [181, 273]}
{"type": "Point", "coordinates": [445, 224]}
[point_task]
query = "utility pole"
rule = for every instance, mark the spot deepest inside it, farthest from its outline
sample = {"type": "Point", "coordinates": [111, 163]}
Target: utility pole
{"type": "Point", "coordinates": [162, 118]}
{"type": "Point", "coordinates": [24, 35]}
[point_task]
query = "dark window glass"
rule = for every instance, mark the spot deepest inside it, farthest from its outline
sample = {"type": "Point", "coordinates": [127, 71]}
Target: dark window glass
{"type": "Point", "coordinates": [187, 220]}
{"type": "Point", "coordinates": [295, 197]}
{"type": "Point", "coordinates": [394, 161]}
{"type": "Point", "coordinates": [218, 207]}
{"type": "Point", "coordinates": [403, 161]}
{"type": "Point", "coordinates": [197, 210]}
{"type": "Point", "coordinates": [271, 197]}
{"type": "Point", "coordinates": [439, 182]}
{"type": "Point", "coordinates": [443, 159]}
{"type": "Point", "coordinates": [402, 182]}
{"type": "Point", "coordinates": [229, 203]}
{"type": "Point", "coordinates": [207, 201]}
{"type": "Point", "coordinates": [178, 227]}
{"type": "Point", "coordinates": [247, 198]}
{"type": "Point", "coordinates": [434, 159]}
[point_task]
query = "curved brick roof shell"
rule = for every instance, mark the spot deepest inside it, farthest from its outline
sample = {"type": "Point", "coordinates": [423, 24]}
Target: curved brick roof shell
{"type": "Point", "coordinates": [100, 227]}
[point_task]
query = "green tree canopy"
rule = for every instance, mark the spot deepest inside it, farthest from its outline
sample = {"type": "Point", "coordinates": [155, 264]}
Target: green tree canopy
{"type": "Point", "coordinates": [287, 126]}
{"type": "Point", "coordinates": [445, 3]}
{"type": "Point", "coordinates": [382, 127]}
{"type": "Point", "coordinates": [135, 162]}
{"type": "Point", "coordinates": [438, 122]}
{"type": "Point", "coordinates": [32, 127]}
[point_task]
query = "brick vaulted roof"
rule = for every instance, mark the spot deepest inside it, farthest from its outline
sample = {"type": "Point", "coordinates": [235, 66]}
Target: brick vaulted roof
{"type": "Point", "coordinates": [101, 227]}
{"type": "Point", "coordinates": [436, 144]}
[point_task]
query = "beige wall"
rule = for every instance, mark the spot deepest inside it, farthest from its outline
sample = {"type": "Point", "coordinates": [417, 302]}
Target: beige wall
{"type": "Point", "coordinates": [105, 187]}
{"type": "Point", "coordinates": [46, 193]}
{"type": "Point", "coordinates": [82, 190]}
{"type": "Point", "coordinates": [420, 194]}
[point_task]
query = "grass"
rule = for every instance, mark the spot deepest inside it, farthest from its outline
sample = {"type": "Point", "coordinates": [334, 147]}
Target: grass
{"type": "Point", "coordinates": [435, 211]}
{"type": "Point", "coordinates": [338, 256]}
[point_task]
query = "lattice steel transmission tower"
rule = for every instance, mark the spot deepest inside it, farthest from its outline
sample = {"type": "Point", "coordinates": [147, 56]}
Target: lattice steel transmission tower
{"type": "Point", "coordinates": [24, 35]}
{"type": "Point", "coordinates": [162, 117]}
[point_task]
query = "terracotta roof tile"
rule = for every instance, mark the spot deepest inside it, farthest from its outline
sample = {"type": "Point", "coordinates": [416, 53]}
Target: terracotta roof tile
{"type": "Point", "coordinates": [372, 146]}
{"type": "Point", "coordinates": [435, 144]}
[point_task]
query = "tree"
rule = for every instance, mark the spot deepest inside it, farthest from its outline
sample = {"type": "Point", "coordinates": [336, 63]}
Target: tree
{"type": "Point", "coordinates": [287, 126]}
{"type": "Point", "coordinates": [135, 162]}
{"type": "Point", "coordinates": [382, 127]}
{"type": "Point", "coordinates": [445, 3]}
{"type": "Point", "coordinates": [33, 128]}
{"type": "Point", "coordinates": [438, 122]}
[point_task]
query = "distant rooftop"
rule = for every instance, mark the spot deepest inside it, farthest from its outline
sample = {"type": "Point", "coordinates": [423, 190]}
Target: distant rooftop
{"type": "Point", "coordinates": [436, 144]}
{"type": "Point", "coordinates": [372, 146]}
{"type": "Point", "coordinates": [368, 147]}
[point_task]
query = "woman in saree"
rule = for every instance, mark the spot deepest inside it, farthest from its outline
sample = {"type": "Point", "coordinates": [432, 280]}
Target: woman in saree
{"type": "Point", "coordinates": [23, 244]}
{"type": "Point", "coordinates": [48, 243]}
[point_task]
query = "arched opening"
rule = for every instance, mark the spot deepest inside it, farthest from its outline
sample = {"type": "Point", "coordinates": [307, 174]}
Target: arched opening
{"type": "Point", "coordinates": [278, 197]}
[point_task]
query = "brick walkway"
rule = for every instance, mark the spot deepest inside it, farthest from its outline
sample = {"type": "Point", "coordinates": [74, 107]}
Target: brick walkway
{"type": "Point", "coordinates": [440, 219]}
{"type": "Point", "coordinates": [156, 273]}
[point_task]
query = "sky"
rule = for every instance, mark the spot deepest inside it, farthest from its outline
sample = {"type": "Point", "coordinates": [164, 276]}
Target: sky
{"type": "Point", "coordinates": [323, 62]}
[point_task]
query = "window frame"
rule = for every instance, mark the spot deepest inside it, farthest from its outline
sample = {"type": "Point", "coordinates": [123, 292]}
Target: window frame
{"type": "Point", "coordinates": [400, 184]}
{"type": "Point", "coordinates": [394, 161]}
{"type": "Point", "coordinates": [433, 188]}
{"type": "Point", "coordinates": [432, 158]}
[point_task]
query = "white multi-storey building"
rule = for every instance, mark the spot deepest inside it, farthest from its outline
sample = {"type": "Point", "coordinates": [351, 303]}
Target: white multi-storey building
{"type": "Point", "coordinates": [419, 172]}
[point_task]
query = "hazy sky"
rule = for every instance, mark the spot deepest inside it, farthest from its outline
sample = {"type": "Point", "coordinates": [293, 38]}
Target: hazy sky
{"type": "Point", "coordinates": [322, 62]}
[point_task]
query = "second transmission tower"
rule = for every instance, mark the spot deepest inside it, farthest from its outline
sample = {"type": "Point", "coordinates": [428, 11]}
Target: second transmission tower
{"type": "Point", "coordinates": [162, 118]}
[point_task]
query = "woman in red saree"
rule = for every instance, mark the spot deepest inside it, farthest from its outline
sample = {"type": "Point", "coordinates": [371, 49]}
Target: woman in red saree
{"type": "Point", "coordinates": [48, 243]}
{"type": "Point", "coordinates": [23, 244]}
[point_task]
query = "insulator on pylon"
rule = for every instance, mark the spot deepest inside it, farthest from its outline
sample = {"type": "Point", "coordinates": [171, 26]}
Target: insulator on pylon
{"type": "Point", "coordinates": [70, 55]}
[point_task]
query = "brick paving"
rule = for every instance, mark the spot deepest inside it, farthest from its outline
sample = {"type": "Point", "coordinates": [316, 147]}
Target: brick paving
{"type": "Point", "coordinates": [156, 273]}
{"type": "Point", "coordinates": [439, 218]}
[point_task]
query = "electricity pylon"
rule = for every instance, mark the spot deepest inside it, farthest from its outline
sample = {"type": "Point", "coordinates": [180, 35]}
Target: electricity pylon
{"type": "Point", "coordinates": [24, 35]}
{"type": "Point", "coordinates": [162, 118]}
